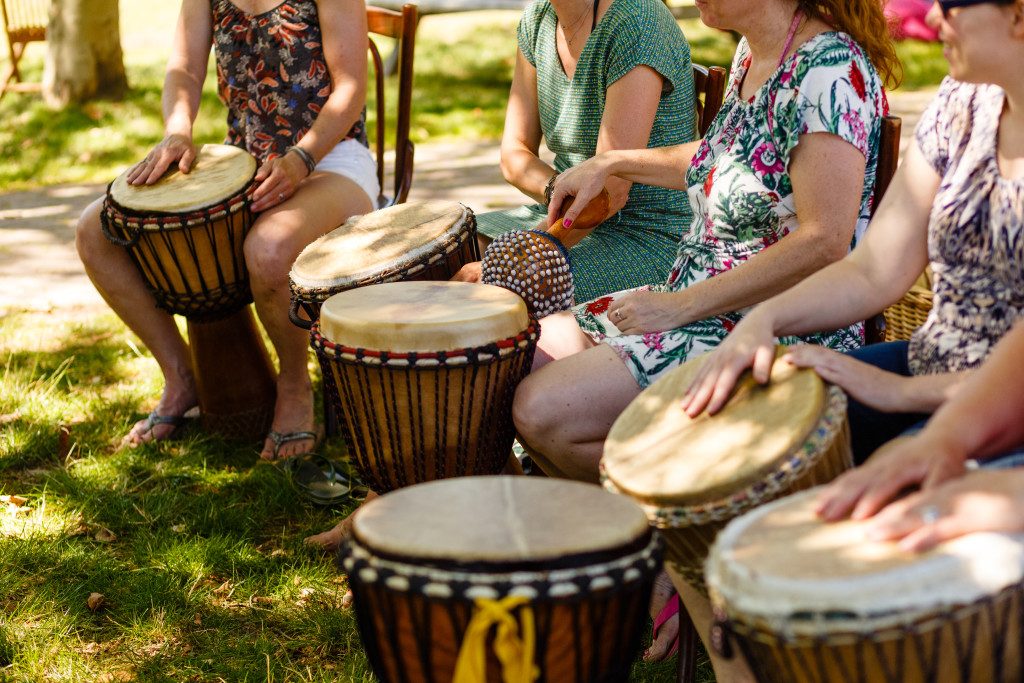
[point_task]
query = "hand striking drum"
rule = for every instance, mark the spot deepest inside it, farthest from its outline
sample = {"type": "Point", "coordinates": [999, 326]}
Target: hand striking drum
{"type": "Point", "coordinates": [512, 579]}
{"type": "Point", "coordinates": [425, 374]}
{"type": "Point", "coordinates": [808, 601]}
{"type": "Point", "coordinates": [692, 476]}
{"type": "Point", "coordinates": [185, 235]}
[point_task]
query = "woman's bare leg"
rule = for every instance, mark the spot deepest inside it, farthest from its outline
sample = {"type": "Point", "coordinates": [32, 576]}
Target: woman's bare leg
{"type": "Point", "coordinates": [732, 670]}
{"type": "Point", "coordinates": [122, 287]}
{"type": "Point", "coordinates": [560, 337]}
{"type": "Point", "coordinates": [565, 409]}
{"type": "Point", "coordinates": [323, 202]}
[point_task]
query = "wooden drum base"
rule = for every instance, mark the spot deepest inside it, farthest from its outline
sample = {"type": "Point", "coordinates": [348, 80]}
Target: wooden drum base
{"type": "Point", "coordinates": [235, 379]}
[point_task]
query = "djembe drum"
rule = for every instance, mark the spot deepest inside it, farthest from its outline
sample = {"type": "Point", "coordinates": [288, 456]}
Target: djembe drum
{"type": "Point", "coordinates": [501, 579]}
{"type": "Point", "coordinates": [691, 476]}
{"type": "Point", "coordinates": [425, 373]}
{"type": "Point", "coordinates": [185, 235]}
{"type": "Point", "coordinates": [415, 241]}
{"type": "Point", "coordinates": [535, 264]}
{"type": "Point", "coordinates": [808, 601]}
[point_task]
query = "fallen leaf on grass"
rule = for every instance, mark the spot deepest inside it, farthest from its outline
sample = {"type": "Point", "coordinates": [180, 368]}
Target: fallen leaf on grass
{"type": "Point", "coordinates": [116, 677]}
{"type": "Point", "coordinates": [105, 535]}
{"type": "Point", "coordinates": [95, 601]}
{"type": "Point", "coordinates": [14, 501]}
{"type": "Point", "coordinates": [346, 601]}
{"type": "Point", "coordinates": [179, 528]}
{"type": "Point", "coordinates": [7, 418]}
{"type": "Point", "coordinates": [197, 619]}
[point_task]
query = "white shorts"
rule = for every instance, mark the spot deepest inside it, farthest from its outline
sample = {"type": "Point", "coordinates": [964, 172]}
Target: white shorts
{"type": "Point", "coordinates": [350, 158]}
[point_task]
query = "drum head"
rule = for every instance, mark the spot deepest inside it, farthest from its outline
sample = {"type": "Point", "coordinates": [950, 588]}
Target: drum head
{"type": "Point", "coordinates": [423, 316]}
{"type": "Point", "coordinates": [781, 560]}
{"type": "Point", "coordinates": [390, 240]}
{"type": "Point", "coordinates": [499, 520]}
{"type": "Point", "coordinates": [219, 173]}
{"type": "Point", "coordinates": [660, 456]}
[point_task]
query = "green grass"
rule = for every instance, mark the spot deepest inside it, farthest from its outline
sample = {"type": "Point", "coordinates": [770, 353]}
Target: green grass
{"type": "Point", "coordinates": [463, 72]}
{"type": "Point", "coordinates": [206, 578]}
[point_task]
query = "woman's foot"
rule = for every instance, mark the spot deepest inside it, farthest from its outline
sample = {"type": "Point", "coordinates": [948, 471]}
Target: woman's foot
{"type": "Point", "coordinates": [292, 431]}
{"type": "Point", "coordinates": [664, 610]}
{"type": "Point", "coordinates": [329, 541]}
{"type": "Point", "coordinates": [178, 398]}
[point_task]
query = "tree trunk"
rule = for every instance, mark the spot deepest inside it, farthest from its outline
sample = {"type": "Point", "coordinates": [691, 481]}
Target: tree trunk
{"type": "Point", "coordinates": [83, 57]}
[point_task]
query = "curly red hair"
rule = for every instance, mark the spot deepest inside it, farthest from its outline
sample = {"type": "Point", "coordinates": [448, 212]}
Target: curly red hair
{"type": "Point", "coordinates": [866, 23]}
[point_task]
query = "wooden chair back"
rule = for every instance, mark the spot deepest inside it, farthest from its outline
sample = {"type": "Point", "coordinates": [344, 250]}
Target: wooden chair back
{"type": "Point", "coordinates": [888, 157]}
{"type": "Point", "coordinates": [888, 160]}
{"type": "Point", "coordinates": [709, 91]}
{"type": "Point", "coordinates": [24, 22]}
{"type": "Point", "coordinates": [402, 27]}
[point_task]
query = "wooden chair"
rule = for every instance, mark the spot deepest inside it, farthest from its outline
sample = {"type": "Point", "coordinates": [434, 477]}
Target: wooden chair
{"type": "Point", "coordinates": [888, 160]}
{"type": "Point", "coordinates": [709, 86]}
{"type": "Point", "coordinates": [402, 27]}
{"type": "Point", "coordinates": [24, 22]}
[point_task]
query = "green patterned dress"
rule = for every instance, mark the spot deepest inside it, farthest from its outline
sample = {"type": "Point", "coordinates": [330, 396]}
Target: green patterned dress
{"type": "Point", "coordinates": [637, 245]}
{"type": "Point", "coordinates": [741, 193]}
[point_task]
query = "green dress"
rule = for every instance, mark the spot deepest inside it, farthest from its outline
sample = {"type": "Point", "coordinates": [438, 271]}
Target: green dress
{"type": "Point", "coordinates": [637, 245]}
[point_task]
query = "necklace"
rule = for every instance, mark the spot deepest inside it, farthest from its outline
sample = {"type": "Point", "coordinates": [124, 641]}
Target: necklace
{"type": "Point", "coordinates": [579, 26]}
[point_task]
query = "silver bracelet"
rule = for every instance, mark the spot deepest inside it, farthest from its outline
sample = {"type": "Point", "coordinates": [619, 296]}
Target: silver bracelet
{"type": "Point", "coordinates": [305, 156]}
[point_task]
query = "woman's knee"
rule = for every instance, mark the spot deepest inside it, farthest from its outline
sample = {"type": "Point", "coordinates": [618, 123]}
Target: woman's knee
{"type": "Point", "coordinates": [270, 253]}
{"type": "Point", "coordinates": [89, 239]}
{"type": "Point", "coordinates": [535, 408]}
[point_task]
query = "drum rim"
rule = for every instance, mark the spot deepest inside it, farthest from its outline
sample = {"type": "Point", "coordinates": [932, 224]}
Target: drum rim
{"type": "Point", "coordinates": [478, 355]}
{"type": "Point", "coordinates": [807, 629]}
{"type": "Point", "coordinates": [810, 619]}
{"type": "Point", "coordinates": [155, 221]}
{"type": "Point", "coordinates": [542, 577]}
{"type": "Point", "coordinates": [409, 264]}
{"type": "Point", "coordinates": [790, 468]}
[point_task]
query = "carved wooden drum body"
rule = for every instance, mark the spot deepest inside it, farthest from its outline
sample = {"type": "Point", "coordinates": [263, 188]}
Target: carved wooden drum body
{"type": "Point", "coordinates": [809, 601]}
{"type": "Point", "coordinates": [501, 579]}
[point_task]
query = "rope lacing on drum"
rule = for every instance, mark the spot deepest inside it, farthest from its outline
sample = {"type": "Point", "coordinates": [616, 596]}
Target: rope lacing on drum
{"type": "Point", "coordinates": [514, 650]}
{"type": "Point", "coordinates": [212, 300]}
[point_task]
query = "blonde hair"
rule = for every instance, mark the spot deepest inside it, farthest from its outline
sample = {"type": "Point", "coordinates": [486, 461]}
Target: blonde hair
{"type": "Point", "coordinates": [865, 22]}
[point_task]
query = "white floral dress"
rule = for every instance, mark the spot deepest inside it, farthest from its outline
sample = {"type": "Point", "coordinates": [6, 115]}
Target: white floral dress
{"type": "Point", "coordinates": [741, 194]}
{"type": "Point", "coordinates": [975, 232]}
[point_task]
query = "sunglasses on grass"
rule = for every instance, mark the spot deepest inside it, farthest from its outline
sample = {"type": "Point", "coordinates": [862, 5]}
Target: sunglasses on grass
{"type": "Point", "coordinates": [948, 5]}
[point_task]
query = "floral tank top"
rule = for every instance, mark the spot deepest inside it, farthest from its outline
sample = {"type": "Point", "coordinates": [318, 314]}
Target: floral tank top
{"type": "Point", "coordinates": [272, 75]}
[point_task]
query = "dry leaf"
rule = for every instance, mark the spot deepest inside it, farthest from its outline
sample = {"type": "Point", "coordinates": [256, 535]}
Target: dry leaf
{"type": "Point", "coordinates": [10, 417]}
{"type": "Point", "coordinates": [105, 535]}
{"type": "Point", "coordinates": [14, 501]}
{"type": "Point", "coordinates": [197, 619]}
{"type": "Point", "coordinates": [179, 528]}
{"type": "Point", "coordinates": [297, 580]}
{"type": "Point", "coordinates": [347, 600]}
{"type": "Point", "coordinates": [95, 601]}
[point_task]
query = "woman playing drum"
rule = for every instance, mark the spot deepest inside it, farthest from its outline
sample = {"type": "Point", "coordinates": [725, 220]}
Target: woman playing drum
{"type": "Point", "coordinates": [590, 76]}
{"type": "Point", "coordinates": [982, 421]}
{"type": "Point", "coordinates": [957, 202]}
{"type": "Point", "coordinates": [292, 76]}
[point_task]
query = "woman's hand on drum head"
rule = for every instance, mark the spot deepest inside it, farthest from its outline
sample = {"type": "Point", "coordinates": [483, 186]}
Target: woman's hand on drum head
{"type": "Point", "coordinates": [278, 179]}
{"type": "Point", "coordinates": [584, 182]}
{"type": "Point", "coordinates": [872, 386]}
{"type": "Point", "coordinates": [173, 148]}
{"type": "Point", "coordinates": [751, 344]}
{"type": "Point", "coordinates": [985, 500]}
{"type": "Point", "coordinates": [914, 461]}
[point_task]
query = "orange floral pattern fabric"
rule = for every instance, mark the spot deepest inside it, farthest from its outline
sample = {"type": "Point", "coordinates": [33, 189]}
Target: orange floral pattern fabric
{"type": "Point", "coordinates": [272, 75]}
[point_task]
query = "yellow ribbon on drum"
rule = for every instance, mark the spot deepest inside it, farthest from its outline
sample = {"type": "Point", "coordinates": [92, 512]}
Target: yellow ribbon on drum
{"type": "Point", "coordinates": [514, 651]}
